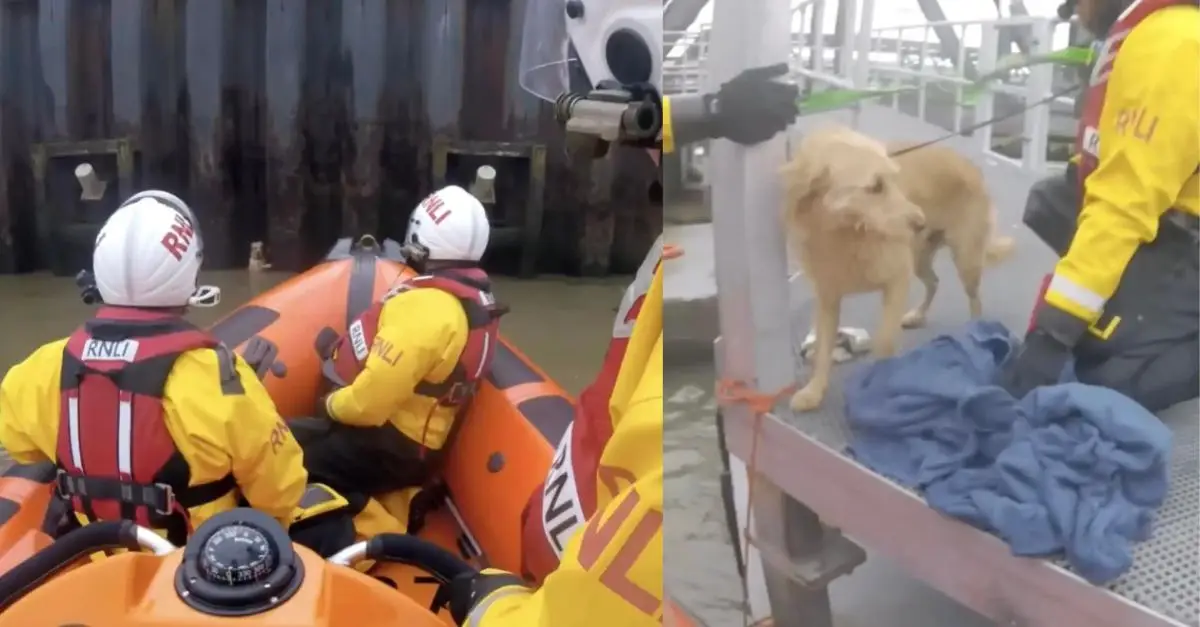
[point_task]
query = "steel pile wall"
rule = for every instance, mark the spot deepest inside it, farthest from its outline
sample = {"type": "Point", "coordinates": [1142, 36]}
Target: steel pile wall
{"type": "Point", "coordinates": [290, 121]}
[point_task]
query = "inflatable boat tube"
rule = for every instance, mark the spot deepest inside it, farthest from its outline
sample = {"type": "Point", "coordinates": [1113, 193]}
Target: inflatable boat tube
{"type": "Point", "coordinates": [28, 522]}
{"type": "Point", "coordinates": [204, 584]}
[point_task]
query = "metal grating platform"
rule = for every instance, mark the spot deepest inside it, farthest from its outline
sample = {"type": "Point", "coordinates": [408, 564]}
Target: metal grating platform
{"type": "Point", "coordinates": [1166, 575]}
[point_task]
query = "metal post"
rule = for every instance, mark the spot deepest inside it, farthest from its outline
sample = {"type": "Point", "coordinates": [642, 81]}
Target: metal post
{"type": "Point", "coordinates": [1039, 87]}
{"type": "Point", "coordinates": [817, 34]}
{"type": "Point", "coordinates": [862, 54]}
{"type": "Point", "coordinates": [985, 108]}
{"type": "Point", "coordinates": [847, 9]}
{"type": "Point", "coordinates": [862, 69]}
{"type": "Point", "coordinates": [751, 273]}
{"type": "Point", "coordinates": [758, 602]}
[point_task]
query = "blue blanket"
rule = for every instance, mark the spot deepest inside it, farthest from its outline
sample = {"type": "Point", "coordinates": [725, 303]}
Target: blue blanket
{"type": "Point", "coordinates": [1070, 469]}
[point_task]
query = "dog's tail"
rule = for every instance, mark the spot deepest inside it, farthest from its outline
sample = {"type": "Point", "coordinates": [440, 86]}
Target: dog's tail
{"type": "Point", "coordinates": [999, 249]}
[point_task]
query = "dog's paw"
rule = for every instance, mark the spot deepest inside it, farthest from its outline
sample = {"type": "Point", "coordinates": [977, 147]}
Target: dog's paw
{"type": "Point", "coordinates": [807, 399]}
{"type": "Point", "coordinates": [913, 320]}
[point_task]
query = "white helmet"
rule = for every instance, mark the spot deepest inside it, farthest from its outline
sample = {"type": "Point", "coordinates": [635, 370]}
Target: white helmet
{"type": "Point", "coordinates": [148, 254]}
{"type": "Point", "coordinates": [613, 40]}
{"type": "Point", "coordinates": [449, 225]}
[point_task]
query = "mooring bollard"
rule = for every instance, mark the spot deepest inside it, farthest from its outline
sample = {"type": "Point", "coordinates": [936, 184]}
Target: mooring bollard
{"type": "Point", "coordinates": [484, 186]}
{"type": "Point", "coordinates": [92, 187]}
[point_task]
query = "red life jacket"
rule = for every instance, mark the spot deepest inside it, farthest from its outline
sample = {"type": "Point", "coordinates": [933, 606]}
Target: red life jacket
{"type": "Point", "coordinates": [567, 498]}
{"type": "Point", "coordinates": [116, 458]}
{"type": "Point", "coordinates": [473, 290]}
{"type": "Point", "coordinates": [1087, 141]}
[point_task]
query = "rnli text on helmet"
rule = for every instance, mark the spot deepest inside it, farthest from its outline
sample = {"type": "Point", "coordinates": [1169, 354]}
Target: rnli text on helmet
{"type": "Point", "coordinates": [179, 238]}
{"type": "Point", "coordinates": [436, 208]}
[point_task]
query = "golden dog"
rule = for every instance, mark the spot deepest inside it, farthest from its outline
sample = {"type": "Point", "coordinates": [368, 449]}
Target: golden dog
{"type": "Point", "coordinates": [860, 220]}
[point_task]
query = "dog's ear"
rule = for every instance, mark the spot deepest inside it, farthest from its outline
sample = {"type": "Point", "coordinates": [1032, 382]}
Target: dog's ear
{"type": "Point", "coordinates": [805, 181]}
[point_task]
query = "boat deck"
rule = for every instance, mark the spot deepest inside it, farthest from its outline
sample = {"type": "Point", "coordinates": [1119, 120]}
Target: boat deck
{"type": "Point", "coordinates": [1164, 583]}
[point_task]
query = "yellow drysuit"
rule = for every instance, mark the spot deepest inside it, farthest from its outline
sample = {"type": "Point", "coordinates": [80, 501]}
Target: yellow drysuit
{"type": "Point", "coordinates": [1148, 153]}
{"type": "Point", "coordinates": [428, 326]}
{"type": "Point", "coordinates": [216, 433]}
{"type": "Point", "coordinates": [611, 572]}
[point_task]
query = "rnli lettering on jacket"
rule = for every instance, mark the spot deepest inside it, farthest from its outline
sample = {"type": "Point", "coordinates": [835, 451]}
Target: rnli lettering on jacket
{"type": "Point", "coordinates": [567, 498]}
{"type": "Point", "coordinates": [473, 290]}
{"type": "Point", "coordinates": [116, 458]}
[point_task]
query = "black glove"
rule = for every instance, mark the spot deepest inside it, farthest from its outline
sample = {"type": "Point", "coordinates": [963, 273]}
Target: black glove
{"type": "Point", "coordinates": [753, 107]}
{"type": "Point", "coordinates": [322, 409]}
{"type": "Point", "coordinates": [466, 592]}
{"type": "Point", "coordinates": [637, 91]}
{"type": "Point", "coordinates": [1045, 352]}
{"type": "Point", "coordinates": [1039, 361]}
{"type": "Point", "coordinates": [1067, 9]}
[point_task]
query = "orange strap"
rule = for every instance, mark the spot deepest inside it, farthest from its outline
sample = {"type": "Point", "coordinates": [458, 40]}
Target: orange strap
{"type": "Point", "coordinates": [730, 392]}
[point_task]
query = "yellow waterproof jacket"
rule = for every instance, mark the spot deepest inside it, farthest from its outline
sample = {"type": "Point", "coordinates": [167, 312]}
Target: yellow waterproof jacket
{"type": "Point", "coordinates": [611, 572]}
{"type": "Point", "coordinates": [1149, 151]}
{"type": "Point", "coordinates": [216, 433]}
{"type": "Point", "coordinates": [421, 336]}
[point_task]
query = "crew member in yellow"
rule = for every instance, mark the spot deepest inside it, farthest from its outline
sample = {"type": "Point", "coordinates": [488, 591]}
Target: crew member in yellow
{"type": "Point", "coordinates": [1123, 300]}
{"type": "Point", "coordinates": [610, 572]}
{"type": "Point", "coordinates": [148, 417]}
{"type": "Point", "coordinates": [410, 363]}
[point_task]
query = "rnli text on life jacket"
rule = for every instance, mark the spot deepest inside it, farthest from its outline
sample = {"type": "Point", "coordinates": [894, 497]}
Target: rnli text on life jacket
{"type": "Point", "coordinates": [358, 341]}
{"type": "Point", "coordinates": [103, 350]}
{"type": "Point", "coordinates": [562, 513]}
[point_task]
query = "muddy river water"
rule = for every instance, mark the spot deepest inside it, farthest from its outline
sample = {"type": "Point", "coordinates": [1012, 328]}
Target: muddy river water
{"type": "Point", "coordinates": [561, 323]}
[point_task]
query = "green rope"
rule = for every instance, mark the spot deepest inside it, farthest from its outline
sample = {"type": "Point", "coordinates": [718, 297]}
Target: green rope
{"type": "Point", "coordinates": [837, 99]}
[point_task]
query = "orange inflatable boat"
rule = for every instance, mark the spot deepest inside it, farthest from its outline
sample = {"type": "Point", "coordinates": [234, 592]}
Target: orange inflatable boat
{"type": "Point", "coordinates": [505, 444]}
{"type": "Point", "coordinates": [500, 455]}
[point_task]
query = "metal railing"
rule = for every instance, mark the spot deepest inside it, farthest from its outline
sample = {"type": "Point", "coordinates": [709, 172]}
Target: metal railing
{"type": "Point", "coordinates": [1023, 97]}
{"type": "Point", "coordinates": [912, 56]}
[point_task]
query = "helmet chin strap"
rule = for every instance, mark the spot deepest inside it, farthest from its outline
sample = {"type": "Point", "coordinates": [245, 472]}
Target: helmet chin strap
{"type": "Point", "coordinates": [205, 296]}
{"type": "Point", "coordinates": [415, 255]}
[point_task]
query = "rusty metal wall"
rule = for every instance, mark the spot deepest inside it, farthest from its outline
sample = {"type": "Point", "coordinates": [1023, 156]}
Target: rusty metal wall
{"type": "Point", "coordinates": [288, 121]}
